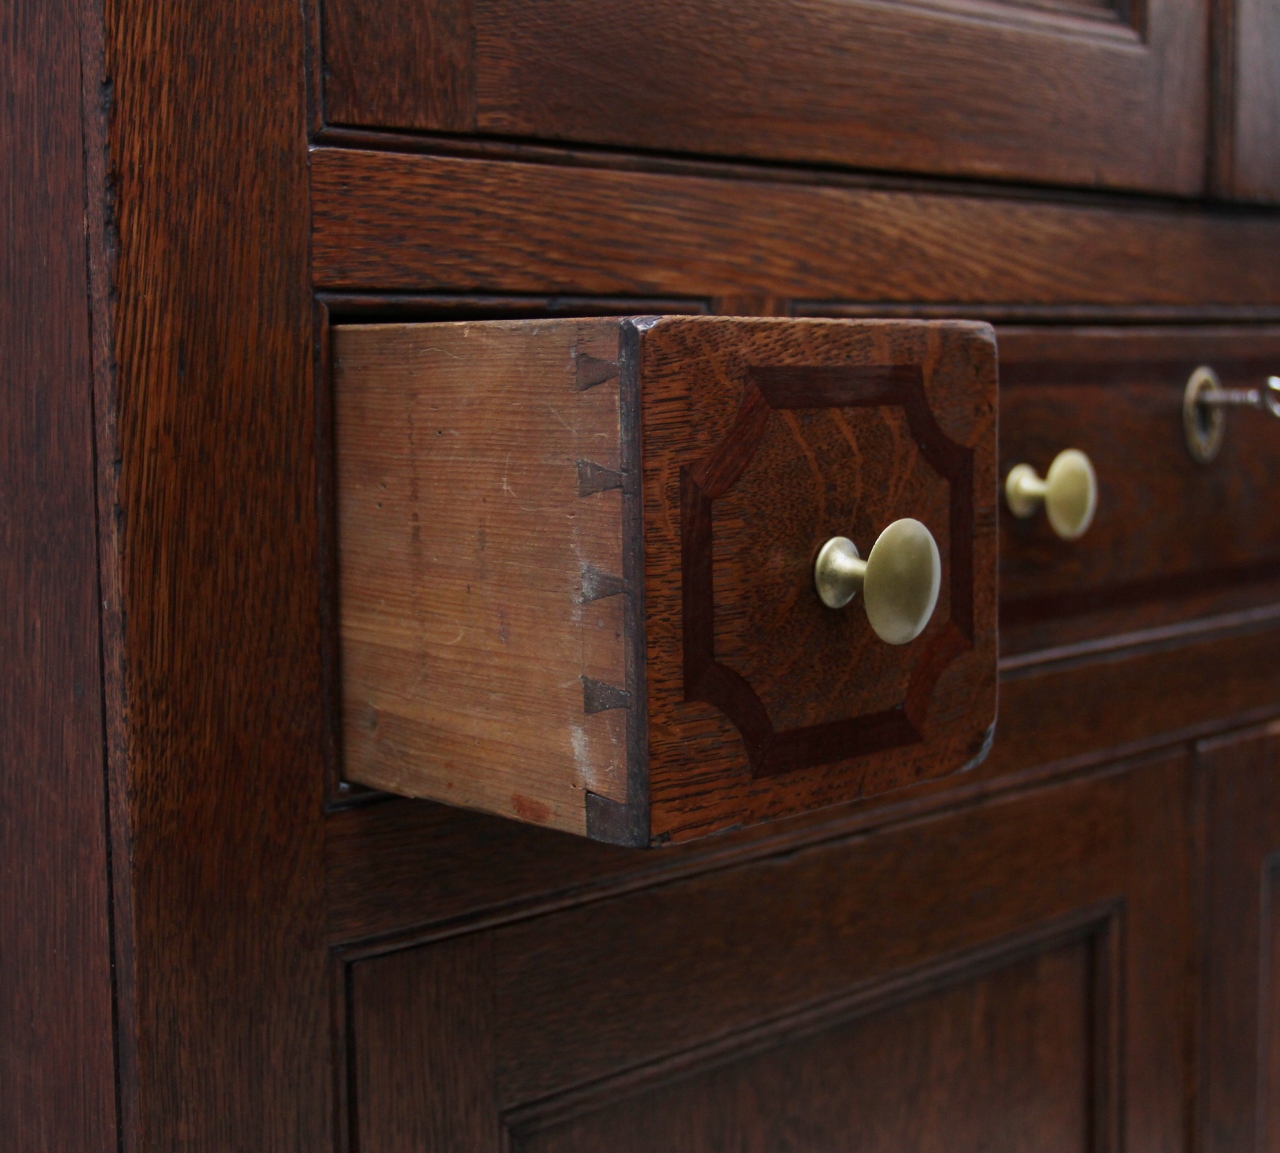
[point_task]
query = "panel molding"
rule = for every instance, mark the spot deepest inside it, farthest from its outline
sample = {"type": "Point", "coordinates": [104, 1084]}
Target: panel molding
{"type": "Point", "coordinates": [1099, 927]}
{"type": "Point", "coordinates": [1268, 1104]}
{"type": "Point", "coordinates": [1118, 87]}
{"type": "Point", "coordinates": [1239, 1059]}
{"type": "Point", "coordinates": [778, 389]}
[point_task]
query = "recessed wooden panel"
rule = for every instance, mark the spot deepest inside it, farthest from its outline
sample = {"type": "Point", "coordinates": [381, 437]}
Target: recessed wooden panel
{"type": "Point", "coordinates": [1013, 972]}
{"type": "Point", "coordinates": [1166, 526]}
{"type": "Point", "coordinates": [1007, 1060]}
{"type": "Point", "coordinates": [1107, 94]}
{"type": "Point", "coordinates": [422, 52]}
{"type": "Point", "coordinates": [422, 1075]}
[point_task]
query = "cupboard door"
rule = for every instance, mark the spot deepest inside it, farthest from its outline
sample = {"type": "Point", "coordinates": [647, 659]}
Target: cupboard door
{"type": "Point", "coordinates": [1247, 100]}
{"type": "Point", "coordinates": [1010, 976]}
{"type": "Point", "coordinates": [1107, 93]}
{"type": "Point", "coordinates": [1241, 1037]}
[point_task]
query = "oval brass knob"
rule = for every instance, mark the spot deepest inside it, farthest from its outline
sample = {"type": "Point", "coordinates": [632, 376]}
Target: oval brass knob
{"type": "Point", "coordinates": [1069, 492]}
{"type": "Point", "coordinates": [899, 580]}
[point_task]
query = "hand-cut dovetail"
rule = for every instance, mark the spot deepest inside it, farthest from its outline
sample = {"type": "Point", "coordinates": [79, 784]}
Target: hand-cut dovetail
{"type": "Point", "coordinates": [598, 696]}
{"type": "Point", "coordinates": [588, 371]}
{"type": "Point", "coordinates": [593, 477]}
{"type": "Point", "coordinates": [597, 584]}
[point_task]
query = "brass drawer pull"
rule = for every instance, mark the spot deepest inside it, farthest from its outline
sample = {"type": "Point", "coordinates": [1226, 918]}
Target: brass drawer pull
{"type": "Point", "coordinates": [899, 580]}
{"type": "Point", "coordinates": [1069, 493]}
{"type": "Point", "coordinates": [1203, 402]}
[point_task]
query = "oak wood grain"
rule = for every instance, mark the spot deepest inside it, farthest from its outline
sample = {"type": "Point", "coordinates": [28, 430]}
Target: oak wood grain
{"type": "Point", "coordinates": [422, 1076]}
{"type": "Point", "coordinates": [409, 63]}
{"type": "Point", "coordinates": [1246, 101]}
{"type": "Point", "coordinates": [208, 489]}
{"type": "Point", "coordinates": [489, 564]}
{"type": "Point", "coordinates": [1166, 526]}
{"type": "Point", "coordinates": [599, 1011]}
{"type": "Point", "coordinates": [1240, 1041]}
{"type": "Point", "coordinates": [425, 223]}
{"type": "Point", "coordinates": [404, 868]}
{"type": "Point", "coordinates": [791, 433]}
{"type": "Point", "coordinates": [191, 191]}
{"type": "Point", "coordinates": [1109, 95]}
{"type": "Point", "coordinates": [1082, 705]}
{"type": "Point", "coordinates": [998, 1059]}
{"type": "Point", "coordinates": [57, 1060]}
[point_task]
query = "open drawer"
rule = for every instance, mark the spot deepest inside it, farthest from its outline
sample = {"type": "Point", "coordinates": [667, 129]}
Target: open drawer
{"type": "Point", "coordinates": [580, 564]}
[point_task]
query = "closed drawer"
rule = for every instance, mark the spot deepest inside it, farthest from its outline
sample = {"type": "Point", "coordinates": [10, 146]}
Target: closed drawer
{"type": "Point", "coordinates": [1108, 94]}
{"type": "Point", "coordinates": [1172, 538]}
{"type": "Point", "coordinates": [577, 564]}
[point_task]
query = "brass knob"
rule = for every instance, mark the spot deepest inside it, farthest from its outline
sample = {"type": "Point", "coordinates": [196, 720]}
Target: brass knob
{"type": "Point", "coordinates": [899, 580]}
{"type": "Point", "coordinates": [1069, 493]}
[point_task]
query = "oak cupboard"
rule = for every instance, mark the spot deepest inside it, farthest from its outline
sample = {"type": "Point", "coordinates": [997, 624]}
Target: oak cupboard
{"type": "Point", "coordinates": [213, 937]}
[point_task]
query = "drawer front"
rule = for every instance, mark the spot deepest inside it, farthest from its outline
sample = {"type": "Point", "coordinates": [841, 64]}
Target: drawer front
{"type": "Point", "coordinates": [1171, 538]}
{"type": "Point", "coordinates": [1108, 94]}
{"type": "Point", "coordinates": [770, 438]}
{"type": "Point", "coordinates": [577, 564]}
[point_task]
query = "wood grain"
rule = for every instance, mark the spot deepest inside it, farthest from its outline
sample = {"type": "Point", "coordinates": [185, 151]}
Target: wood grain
{"type": "Point", "coordinates": [745, 665]}
{"type": "Point", "coordinates": [409, 63]}
{"type": "Point", "coordinates": [480, 522]}
{"type": "Point", "coordinates": [1240, 1040]}
{"type": "Point", "coordinates": [404, 869]}
{"type": "Point", "coordinates": [57, 1063]}
{"type": "Point", "coordinates": [1104, 97]}
{"type": "Point", "coordinates": [576, 970]}
{"type": "Point", "coordinates": [1246, 102]}
{"type": "Point", "coordinates": [1003, 1059]}
{"type": "Point", "coordinates": [778, 962]}
{"type": "Point", "coordinates": [208, 480]}
{"type": "Point", "coordinates": [1136, 695]}
{"type": "Point", "coordinates": [489, 658]}
{"type": "Point", "coordinates": [422, 1077]}
{"type": "Point", "coordinates": [1166, 526]}
{"type": "Point", "coordinates": [419, 223]}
